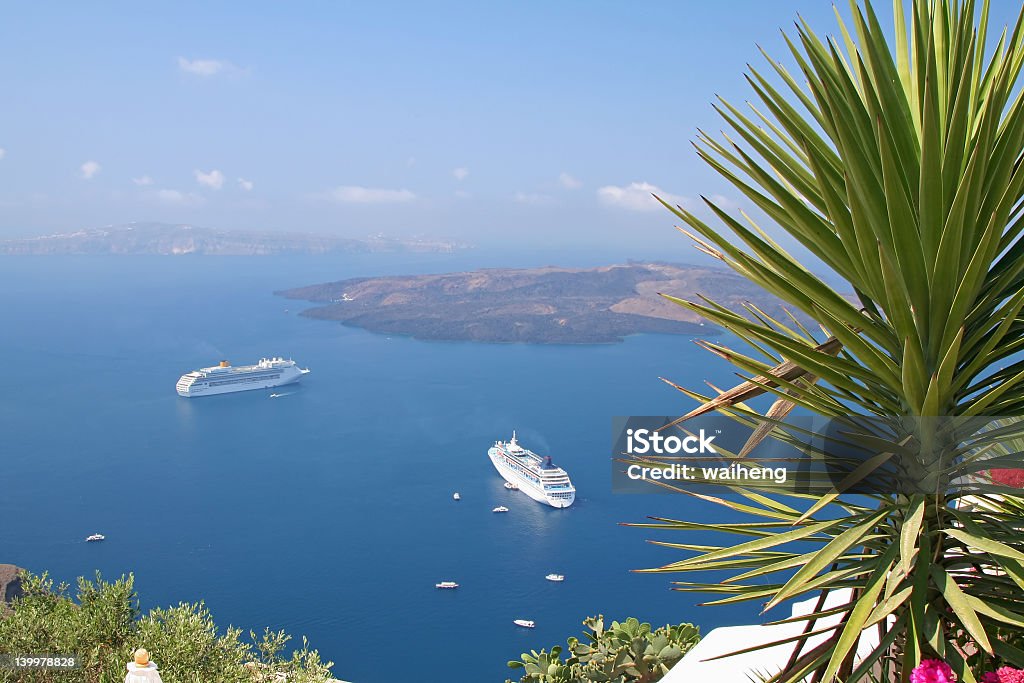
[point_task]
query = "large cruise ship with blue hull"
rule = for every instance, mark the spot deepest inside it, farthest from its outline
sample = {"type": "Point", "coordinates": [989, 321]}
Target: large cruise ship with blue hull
{"type": "Point", "coordinates": [533, 474]}
{"type": "Point", "coordinates": [227, 379]}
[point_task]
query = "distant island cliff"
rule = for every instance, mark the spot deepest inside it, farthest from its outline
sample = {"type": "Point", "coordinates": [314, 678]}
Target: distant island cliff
{"type": "Point", "coordinates": [548, 305]}
{"type": "Point", "coordinates": [166, 239]}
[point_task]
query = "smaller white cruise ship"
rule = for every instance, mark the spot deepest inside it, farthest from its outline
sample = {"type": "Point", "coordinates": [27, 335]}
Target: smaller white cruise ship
{"type": "Point", "coordinates": [226, 379]}
{"type": "Point", "coordinates": [533, 474]}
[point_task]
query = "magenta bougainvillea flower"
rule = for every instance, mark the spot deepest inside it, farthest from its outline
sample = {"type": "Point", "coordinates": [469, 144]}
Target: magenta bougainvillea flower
{"type": "Point", "coordinates": [932, 671]}
{"type": "Point", "coordinates": [1006, 674]}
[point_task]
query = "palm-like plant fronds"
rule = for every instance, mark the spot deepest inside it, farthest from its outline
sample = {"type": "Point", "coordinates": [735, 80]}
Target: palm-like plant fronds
{"type": "Point", "coordinates": [899, 167]}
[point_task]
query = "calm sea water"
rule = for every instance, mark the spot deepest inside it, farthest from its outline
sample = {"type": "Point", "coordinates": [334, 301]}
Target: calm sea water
{"type": "Point", "coordinates": [326, 512]}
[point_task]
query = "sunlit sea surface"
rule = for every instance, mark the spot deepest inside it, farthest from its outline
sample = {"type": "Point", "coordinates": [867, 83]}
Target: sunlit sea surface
{"type": "Point", "coordinates": [328, 511]}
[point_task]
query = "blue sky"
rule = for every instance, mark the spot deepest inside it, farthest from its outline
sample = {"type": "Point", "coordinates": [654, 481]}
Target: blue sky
{"type": "Point", "coordinates": [525, 122]}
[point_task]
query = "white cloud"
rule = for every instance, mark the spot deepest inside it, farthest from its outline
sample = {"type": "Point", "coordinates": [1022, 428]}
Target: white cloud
{"type": "Point", "coordinates": [213, 180]}
{"type": "Point", "coordinates": [532, 198]}
{"type": "Point", "coordinates": [171, 196]}
{"type": "Point", "coordinates": [246, 185]}
{"type": "Point", "coordinates": [143, 181]}
{"type": "Point", "coordinates": [568, 182]}
{"type": "Point", "coordinates": [89, 169]}
{"type": "Point", "coordinates": [3, 152]}
{"type": "Point", "coordinates": [354, 194]}
{"type": "Point", "coordinates": [176, 197]}
{"type": "Point", "coordinates": [206, 67]}
{"type": "Point", "coordinates": [460, 173]}
{"type": "Point", "coordinates": [637, 197]}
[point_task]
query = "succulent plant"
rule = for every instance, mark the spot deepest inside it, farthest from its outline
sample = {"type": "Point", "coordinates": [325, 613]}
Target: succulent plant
{"type": "Point", "coordinates": [626, 652]}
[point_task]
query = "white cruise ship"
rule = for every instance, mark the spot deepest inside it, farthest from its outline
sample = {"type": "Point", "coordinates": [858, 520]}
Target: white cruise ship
{"type": "Point", "coordinates": [226, 379]}
{"type": "Point", "coordinates": [533, 474]}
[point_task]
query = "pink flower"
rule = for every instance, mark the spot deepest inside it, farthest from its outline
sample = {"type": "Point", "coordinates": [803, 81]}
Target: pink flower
{"type": "Point", "coordinates": [934, 671]}
{"type": "Point", "coordinates": [1006, 674]}
{"type": "Point", "coordinates": [990, 677]}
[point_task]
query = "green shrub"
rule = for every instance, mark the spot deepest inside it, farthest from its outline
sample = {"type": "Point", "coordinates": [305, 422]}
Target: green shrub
{"type": "Point", "coordinates": [103, 625]}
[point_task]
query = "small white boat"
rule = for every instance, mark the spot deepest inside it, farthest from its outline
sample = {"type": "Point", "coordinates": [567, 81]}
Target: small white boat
{"type": "Point", "coordinates": [510, 486]}
{"type": "Point", "coordinates": [94, 538]}
{"type": "Point", "coordinates": [446, 584]}
{"type": "Point", "coordinates": [525, 623]}
{"type": "Point", "coordinates": [456, 496]}
{"type": "Point", "coordinates": [555, 577]}
{"type": "Point", "coordinates": [500, 508]}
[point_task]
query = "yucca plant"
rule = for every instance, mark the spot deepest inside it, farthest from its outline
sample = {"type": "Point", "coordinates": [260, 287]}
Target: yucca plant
{"type": "Point", "coordinates": [897, 164]}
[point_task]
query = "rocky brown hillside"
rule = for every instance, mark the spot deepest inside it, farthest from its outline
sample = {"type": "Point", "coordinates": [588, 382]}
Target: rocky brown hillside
{"type": "Point", "coordinates": [542, 305]}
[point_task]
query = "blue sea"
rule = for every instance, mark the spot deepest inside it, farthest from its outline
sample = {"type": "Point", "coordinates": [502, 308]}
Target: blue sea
{"type": "Point", "coordinates": [328, 511]}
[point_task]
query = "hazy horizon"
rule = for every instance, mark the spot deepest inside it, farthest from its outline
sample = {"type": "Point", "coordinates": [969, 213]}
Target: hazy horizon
{"type": "Point", "coordinates": [516, 124]}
